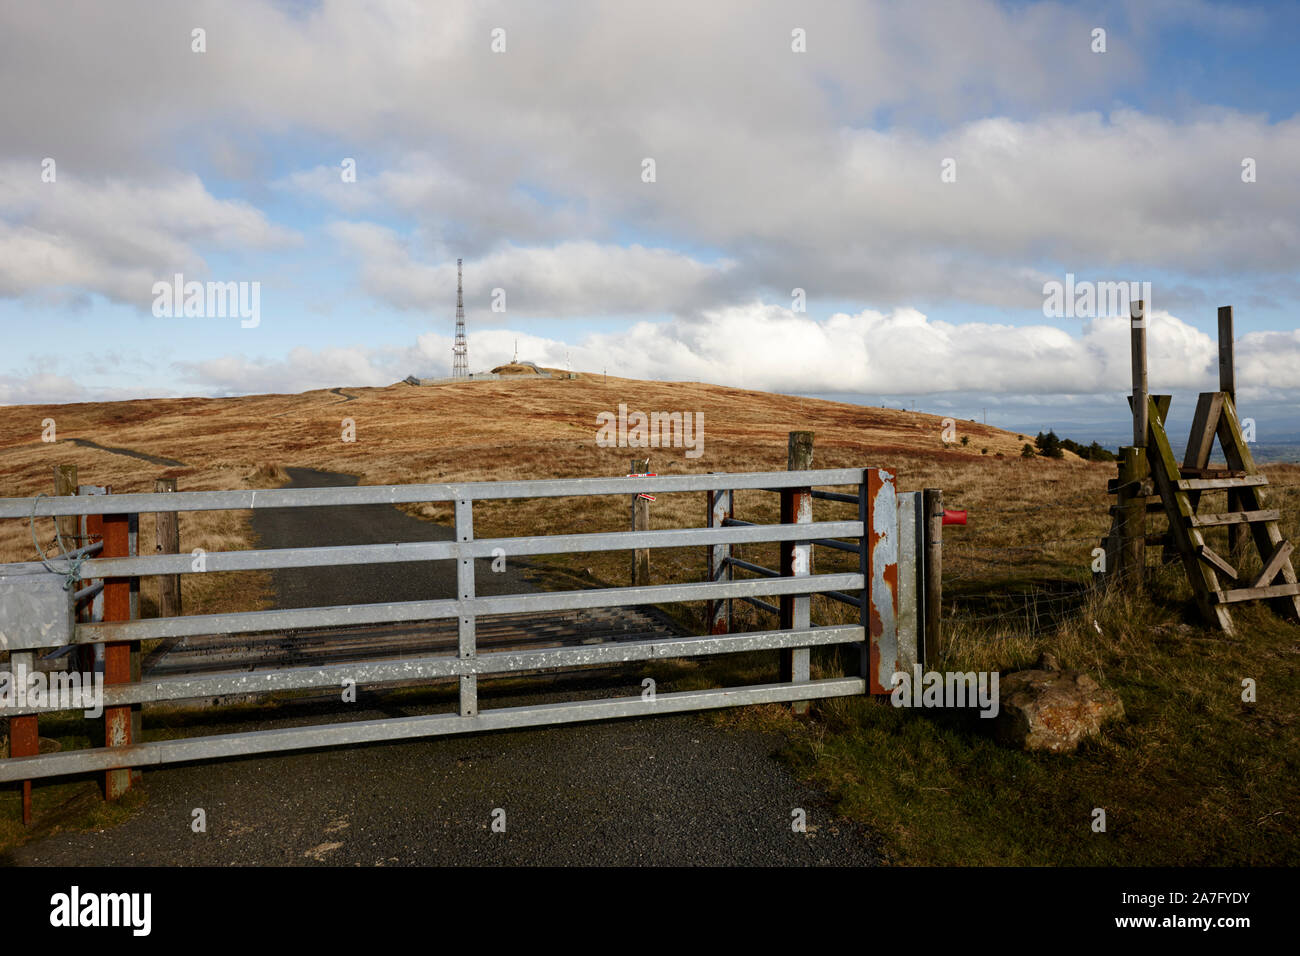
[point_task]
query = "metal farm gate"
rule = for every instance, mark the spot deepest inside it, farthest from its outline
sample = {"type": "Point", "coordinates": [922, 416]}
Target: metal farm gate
{"type": "Point", "coordinates": [39, 604]}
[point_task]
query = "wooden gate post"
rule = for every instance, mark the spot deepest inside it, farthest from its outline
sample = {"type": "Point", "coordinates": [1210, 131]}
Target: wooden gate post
{"type": "Point", "coordinates": [932, 631]}
{"type": "Point", "coordinates": [796, 559]}
{"type": "Point", "coordinates": [167, 537]}
{"type": "Point", "coordinates": [640, 522]}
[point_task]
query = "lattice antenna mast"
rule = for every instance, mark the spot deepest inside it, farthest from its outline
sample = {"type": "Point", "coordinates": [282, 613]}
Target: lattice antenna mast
{"type": "Point", "coordinates": [460, 351]}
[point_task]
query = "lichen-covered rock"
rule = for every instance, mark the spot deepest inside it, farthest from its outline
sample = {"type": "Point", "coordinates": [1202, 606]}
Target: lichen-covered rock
{"type": "Point", "coordinates": [1053, 710]}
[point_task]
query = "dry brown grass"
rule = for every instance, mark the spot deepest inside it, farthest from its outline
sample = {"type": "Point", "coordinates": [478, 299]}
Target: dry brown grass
{"type": "Point", "coordinates": [1055, 510]}
{"type": "Point", "coordinates": [514, 429]}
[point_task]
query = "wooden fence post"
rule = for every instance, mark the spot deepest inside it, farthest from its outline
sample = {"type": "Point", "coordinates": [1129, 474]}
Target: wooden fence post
{"type": "Point", "coordinates": [640, 522]}
{"type": "Point", "coordinates": [796, 559]}
{"type": "Point", "coordinates": [1238, 534]}
{"type": "Point", "coordinates": [167, 538]}
{"type": "Point", "coordinates": [932, 632]}
{"type": "Point", "coordinates": [1131, 504]}
{"type": "Point", "coordinates": [1138, 342]}
{"type": "Point", "coordinates": [65, 483]}
{"type": "Point", "coordinates": [1130, 496]}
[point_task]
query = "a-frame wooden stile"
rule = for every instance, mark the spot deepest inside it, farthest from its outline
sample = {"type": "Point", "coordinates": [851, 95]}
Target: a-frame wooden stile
{"type": "Point", "coordinates": [1180, 491]}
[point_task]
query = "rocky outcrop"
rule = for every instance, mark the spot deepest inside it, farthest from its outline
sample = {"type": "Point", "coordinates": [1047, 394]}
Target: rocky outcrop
{"type": "Point", "coordinates": [1050, 709]}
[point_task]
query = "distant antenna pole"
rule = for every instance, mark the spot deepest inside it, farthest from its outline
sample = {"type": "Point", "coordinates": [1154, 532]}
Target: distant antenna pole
{"type": "Point", "coordinates": [515, 360]}
{"type": "Point", "coordinates": [460, 351]}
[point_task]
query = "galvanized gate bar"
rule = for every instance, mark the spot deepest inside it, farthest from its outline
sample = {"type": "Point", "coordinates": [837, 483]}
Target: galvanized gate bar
{"type": "Point", "coordinates": [274, 558]}
{"type": "Point", "coordinates": [465, 602]}
{"type": "Point", "coordinates": [412, 494]}
{"type": "Point", "coordinates": [911, 578]}
{"type": "Point", "coordinates": [718, 512]}
{"type": "Point", "coordinates": [185, 687]}
{"type": "Point", "coordinates": [410, 728]}
{"type": "Point", "coordinates": [885, 638]}
{"type": "Point", "coordinates": [245, 622]}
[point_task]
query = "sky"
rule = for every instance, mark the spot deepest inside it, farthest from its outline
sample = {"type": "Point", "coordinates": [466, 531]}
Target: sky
{"type": "Point", "coordinates": [920, 173]}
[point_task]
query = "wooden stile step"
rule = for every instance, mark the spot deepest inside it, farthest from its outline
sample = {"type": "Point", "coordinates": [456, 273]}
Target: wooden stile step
{"type": "Point", "coordinates": [1221, 484]}
{"type": "Point", "coordinates": [1233, 517]}
{"type": "Point", "coordinates": [1187, 472]}
{"type": "Point", "coordinates": [1214, 579]}
{"type": "Point", "coordinates": [1255, 594]}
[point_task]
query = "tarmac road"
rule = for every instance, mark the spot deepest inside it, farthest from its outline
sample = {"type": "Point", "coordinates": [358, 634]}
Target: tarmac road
{"type": "Point", "coordinates": [667, 790]}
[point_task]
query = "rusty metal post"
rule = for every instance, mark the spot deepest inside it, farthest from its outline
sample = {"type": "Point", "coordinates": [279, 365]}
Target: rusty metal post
{"type": "Point", "coordinates": [796, 560]}
{"type": "Point", "coordinates": [718, 564]}
{"type": "Point", "coordinates": [931, 649]}
{"type": "Point", "coordinates": [24, 738]}
{"type": "Point", "coordinates": [117, 655]}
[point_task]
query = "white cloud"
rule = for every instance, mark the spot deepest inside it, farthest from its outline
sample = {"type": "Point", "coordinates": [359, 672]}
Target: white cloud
{"type": "Point", "coordinates": [49, 387]}
{"type": "Point", "coordinates": [764, 156]}
{"type": "Point", "coordinates": [568, 279]}
{"type": "Point", "coordinates": [770, 348]}
{"type": "Point", "coordinates": [115, 238]}
{"type": "Point", "coordinates": [902, 351]}
{"type": "Point", "coordinates": [301, 370]}
{"type": "Point", "coordinates": [775, 171]}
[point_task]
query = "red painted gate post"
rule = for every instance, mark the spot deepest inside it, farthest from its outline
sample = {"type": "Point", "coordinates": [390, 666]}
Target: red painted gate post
{"type": "Point", "coordinates": [117, 655]}
{"type": "Point", "coordinates": [24, 738]}
{"type": "Point", "coordinates": [880, 567]}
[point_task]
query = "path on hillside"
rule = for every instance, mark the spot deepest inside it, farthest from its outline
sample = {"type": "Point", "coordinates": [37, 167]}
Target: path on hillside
{"type": "Point", "coordinates": [128, 452]}
{"type": "Point", "coordinates": [667, 790]}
